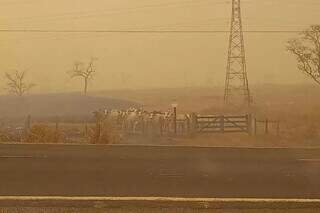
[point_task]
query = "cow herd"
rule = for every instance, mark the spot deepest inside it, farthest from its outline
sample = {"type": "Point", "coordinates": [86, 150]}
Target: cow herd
{"type": "Point", "coordinates": [135, 121]}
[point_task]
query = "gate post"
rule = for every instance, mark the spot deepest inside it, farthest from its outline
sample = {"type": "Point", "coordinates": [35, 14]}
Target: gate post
{"type": "Point", "coordinates": [194, 123]}
{"type": "Point", "coordinates": [222, 123]}
{"type": "Point", "coordinates": [86, 129]}
{"type": "Point", "coordinates": [175, 120]}
{"type": "Point", "coordinates": [267, 127]}
{"type": "Point", "coordinates": [255, 126]}
{"type": "Point", "coordinates": [249, 124]}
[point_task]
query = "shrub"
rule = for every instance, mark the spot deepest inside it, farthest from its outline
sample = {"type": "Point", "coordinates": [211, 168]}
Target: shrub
{"type": "Point", "coordinates": [108, 134]}
{"type": "Point", "coordinates": [41, 133]}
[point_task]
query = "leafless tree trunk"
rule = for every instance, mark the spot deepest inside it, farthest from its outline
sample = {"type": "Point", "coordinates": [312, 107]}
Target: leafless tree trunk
{"type": "Point", "coordinates": [307, 50]}
{"type": "Point", "coordinates": [16, 83]}
{"type": "Point", "coordinates": [85, 72]}
{"type": "Point", "coordinates": [85, 86]}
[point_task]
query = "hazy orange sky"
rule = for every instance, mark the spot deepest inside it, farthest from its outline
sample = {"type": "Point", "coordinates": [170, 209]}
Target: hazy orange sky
{"type": "Point", "coordinates": [148, 60]}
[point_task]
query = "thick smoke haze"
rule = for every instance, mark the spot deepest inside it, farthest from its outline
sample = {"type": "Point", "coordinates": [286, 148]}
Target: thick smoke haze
{"type": "Point", "coordinates": [149, 60]}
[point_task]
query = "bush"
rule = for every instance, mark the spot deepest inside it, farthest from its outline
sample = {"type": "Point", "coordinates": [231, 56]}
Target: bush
{"type": "Point", "coordinates": [41, 133]}
{"type": "Point", "coordinates": [108, 134]}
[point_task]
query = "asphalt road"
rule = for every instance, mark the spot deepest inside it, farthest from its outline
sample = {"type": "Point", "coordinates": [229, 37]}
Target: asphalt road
{"type": "Point", "coordinates": [131, 171]}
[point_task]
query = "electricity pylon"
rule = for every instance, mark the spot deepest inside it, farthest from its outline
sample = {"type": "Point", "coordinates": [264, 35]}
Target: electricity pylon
{"type": "Point", "coordinates": [236, 85]}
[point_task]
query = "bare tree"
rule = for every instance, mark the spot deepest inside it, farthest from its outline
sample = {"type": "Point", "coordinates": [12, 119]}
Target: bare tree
{"type": "Point", "coordinates": [16, 83]}
{"type": "Point", "coordinates": [307, 50]}
{"type": "Point", "coordinates": [85, 72]}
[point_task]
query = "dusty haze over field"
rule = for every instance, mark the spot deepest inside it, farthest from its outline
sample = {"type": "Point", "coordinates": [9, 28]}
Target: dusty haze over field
{"type": "Point", "coordinates": [148, 60]}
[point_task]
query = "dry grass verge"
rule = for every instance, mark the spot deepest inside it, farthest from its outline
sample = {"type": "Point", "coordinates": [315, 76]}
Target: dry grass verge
{"type": "Point", "coordinates": [151, 210]}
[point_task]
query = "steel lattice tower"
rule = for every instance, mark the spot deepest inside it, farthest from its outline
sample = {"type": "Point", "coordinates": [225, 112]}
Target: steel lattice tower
{"type": "Point", "coordinates": [236, 85]}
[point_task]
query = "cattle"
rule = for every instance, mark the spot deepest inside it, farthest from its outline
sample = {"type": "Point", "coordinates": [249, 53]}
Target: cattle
{"type": "Point", "coordinates": [135, 120]}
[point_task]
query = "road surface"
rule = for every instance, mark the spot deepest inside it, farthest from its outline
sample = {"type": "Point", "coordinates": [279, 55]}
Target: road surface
{"type": "Point", "coordinates": [140, 171]}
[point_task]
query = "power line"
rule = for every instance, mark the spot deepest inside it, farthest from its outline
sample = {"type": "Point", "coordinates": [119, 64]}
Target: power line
{"type": "Point", "coordinates": [141, 31]}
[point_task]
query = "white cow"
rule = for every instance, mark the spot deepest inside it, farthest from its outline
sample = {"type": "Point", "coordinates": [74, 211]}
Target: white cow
{"type": "Point", "coordinates": [131, 119]}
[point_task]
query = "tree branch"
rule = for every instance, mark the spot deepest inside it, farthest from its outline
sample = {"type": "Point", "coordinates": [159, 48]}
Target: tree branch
{"type": "Point", "coordinates": [307, 50]}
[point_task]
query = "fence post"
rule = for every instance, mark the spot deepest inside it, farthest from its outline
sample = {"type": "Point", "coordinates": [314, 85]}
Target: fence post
{"type": "Point", "coordinates": [143, 126]}
{"type": "Point", "coordinates": [255, 126]}
{"type": "Point", "coordinates": [267, 127]}
{"type": "Point", "coordinates": [57, 128]}
{"type": "Point", "coordinates": [249, 124]}
{"type": "Point", "coordinates": [278, 128]}
{"type": "Point", "coordinates": [161, 127]}
{"type": "Point", "coordinates": [98, 131]}
{"type": "Point", "coordinates": [86, 128]}
{"type": "Point", "coordinates": [27, 126]}
{"type": "Point", "coordinates": [57, 123]}
{"type": "Point", "coordinates": [222, 123]}
{"type": "Point", "coordinates": [188, 125]}
{"type": "Point", "coordinates": [175, 120]}
{"type": "Point", "coordinates": [194, 123]}
{"type": "Point", "coordinates": [98, 127]}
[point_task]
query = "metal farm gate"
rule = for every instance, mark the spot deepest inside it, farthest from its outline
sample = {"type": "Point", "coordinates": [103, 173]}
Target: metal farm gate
{"type": "Point", "coordinates": [223, 124]}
